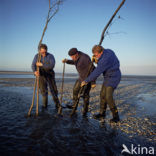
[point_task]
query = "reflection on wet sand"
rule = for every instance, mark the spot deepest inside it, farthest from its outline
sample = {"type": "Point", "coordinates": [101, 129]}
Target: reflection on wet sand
{"type": "Point", "coordinates": [49, 134]}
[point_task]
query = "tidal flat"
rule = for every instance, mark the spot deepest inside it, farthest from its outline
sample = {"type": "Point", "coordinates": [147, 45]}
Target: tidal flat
{"type": "Point", "coordinates": [49, 134]}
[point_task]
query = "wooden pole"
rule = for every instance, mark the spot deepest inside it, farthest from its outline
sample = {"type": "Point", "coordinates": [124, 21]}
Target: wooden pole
{"type": "Point", "coordinates": [62, 83]}
{"type": "Point", "coordinates": [34, 92]}
{"type": "Point", "coordinates": [37, 102]}
{"type": "Point", "coordinates": [91, 67]}
{"type": "Point", "coordinates": [62, 86]}
{"type": "Point", "coordinates": [37, 79]}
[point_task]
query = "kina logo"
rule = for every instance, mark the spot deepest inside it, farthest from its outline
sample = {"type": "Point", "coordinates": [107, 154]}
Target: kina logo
{"type": "Point", "coordinates": [138, 150]}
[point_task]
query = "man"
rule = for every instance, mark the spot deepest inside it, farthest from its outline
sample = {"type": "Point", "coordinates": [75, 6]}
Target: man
{"type": "Point", "coordinates": [46, 75]}
{"type": "Point", "coordinates": [82, 62]}
{"type": "Point", "coordinates": [108, 64]}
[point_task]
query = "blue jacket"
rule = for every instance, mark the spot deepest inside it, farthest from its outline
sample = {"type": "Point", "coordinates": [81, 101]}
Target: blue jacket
{"type": "Point", "coordinates": [108, 64]}
{"type": "Point", "coordinates": [48, 62]}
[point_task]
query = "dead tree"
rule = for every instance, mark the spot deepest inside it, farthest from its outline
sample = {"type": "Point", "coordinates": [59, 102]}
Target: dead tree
{"type": "Point", "coordinates": [53, 9]}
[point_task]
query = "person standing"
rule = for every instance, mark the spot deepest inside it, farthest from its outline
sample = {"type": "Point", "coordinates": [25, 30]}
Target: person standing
{"type": "Point", "coordinates": [109, 66]}
{"type": "Point", "coordinates": [82, 63]}
{"type": "Point", "coordinates": [46, 75]}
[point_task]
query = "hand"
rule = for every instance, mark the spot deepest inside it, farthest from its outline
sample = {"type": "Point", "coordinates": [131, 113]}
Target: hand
{"type": "Point", "coordinates": [83, 83]}
{"type": "Point", "coordinates": [93, 86]}
{"type": "Point", "coordinates": [39, 64]}
{"type": "Point", "coordinates": [94, 59]}
{"type": "Point", "coordinates": [36, 73]}
{"type": "Point", "coordinates": [64, 60]}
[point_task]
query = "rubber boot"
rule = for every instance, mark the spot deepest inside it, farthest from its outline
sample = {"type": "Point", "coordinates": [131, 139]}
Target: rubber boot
{"type": "Point", "coordinates": [69, 106]}
{"type": "Point", "coordinates": [45, 101]}
{"type": "Point", "coordinates": [57, 102]}
{"type": "Point", "coordinates": [74, 107]}
{"type": "Point", "coordinates": [115, 114]}
{"type": "Point", "coordinates": [102, 113]}
{"type": "Point", "coordinates": [58, 105]}
{"type": "Point", "coordinates": [99, 116]}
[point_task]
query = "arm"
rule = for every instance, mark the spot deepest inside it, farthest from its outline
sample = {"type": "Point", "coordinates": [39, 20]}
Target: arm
{"type": "Point", "coordinates": [70, 62]}
{"type": "Point", "coordinates": [103, 65]}
{"type": "Point", "coordinates": [92, 69]}
{"type": "Point", "coordinates": [50, 65]}
{"type": "Point", "coordinates": [33, 65]}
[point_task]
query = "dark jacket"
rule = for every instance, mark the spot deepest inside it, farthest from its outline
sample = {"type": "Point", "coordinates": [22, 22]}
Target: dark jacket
{"type": "Point", "coordinates": [82, 65]}
{"type": "Point", "coordinates": [108, 64]}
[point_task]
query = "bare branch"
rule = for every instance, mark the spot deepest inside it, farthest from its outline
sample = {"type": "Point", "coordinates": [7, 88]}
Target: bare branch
{"type": "Point", "coordinates": [53, 14]}
{"type": "Point", "coordinates": [120, 32]}
{"type": "Point", "coordinates": [109, 22]}
{"type": "Point", "coordinates": [49, 4]}
{"type": "Point", "coordinates": [53, 9]}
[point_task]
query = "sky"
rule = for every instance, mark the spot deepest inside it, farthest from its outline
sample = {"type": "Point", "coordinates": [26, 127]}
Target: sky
{"type": "Point", "coordinates": [79, 23]}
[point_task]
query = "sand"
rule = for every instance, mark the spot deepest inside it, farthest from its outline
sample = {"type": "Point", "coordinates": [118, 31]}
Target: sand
{"type": "Point", "coordinates": [49, 134]}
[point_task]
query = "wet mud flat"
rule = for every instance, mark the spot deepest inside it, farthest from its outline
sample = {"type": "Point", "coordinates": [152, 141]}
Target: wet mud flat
{"type": "Point", "coordinates": [49, 134]}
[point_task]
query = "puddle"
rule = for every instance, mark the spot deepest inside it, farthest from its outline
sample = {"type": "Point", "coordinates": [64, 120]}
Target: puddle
{"type": "Point", "coordinates": [148, 102]}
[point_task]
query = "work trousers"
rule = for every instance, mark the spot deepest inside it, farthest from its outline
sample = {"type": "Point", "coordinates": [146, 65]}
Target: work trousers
{"type": "Point", "coordinates": [45, 80]}
{"type": "Point", "coordinates": [106, 98]}
{"type": "Point", "coordinates": [85, 95]}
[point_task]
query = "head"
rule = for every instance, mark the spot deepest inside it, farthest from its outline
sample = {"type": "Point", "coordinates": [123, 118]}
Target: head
{"type": "Point", "coordinates": [73, 53]}
{"type": "Point", "coordinates": [43, 49]}
{"type": "Point", "coordinates": [97, 51]}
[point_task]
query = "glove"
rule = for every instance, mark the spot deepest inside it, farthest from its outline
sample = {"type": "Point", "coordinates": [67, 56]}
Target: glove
{"type": "Point", "coordinates": [93, 86]}
{"type": "Point", "coordinates": [83, 83]}
{"type": "Point", "coordinates": [64, 60]}
{"type": "Point", "coordinates": [94, 59]}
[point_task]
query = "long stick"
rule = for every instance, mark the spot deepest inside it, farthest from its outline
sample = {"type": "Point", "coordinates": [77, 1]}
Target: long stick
{"type": "Point", "coordinates": [81, 91]}
{"type": "Point", "coordinates": [62, 83]}
{"type": "Point", "coordinates": [61, 98]}
{"type": "Point", "coordinates": [34, 92]}
{"type": "Point", "coordinates": [109, 22]}
{"type": "Point", "coordinates": [37, 102]}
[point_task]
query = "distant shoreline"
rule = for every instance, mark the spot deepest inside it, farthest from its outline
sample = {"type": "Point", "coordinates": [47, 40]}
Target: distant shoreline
{"type": "Point", "coordinates": [70, 74]}
{"type": "Point", "coordinates": [16, 72]}
{"type": "Point", "coordinates": [31, 73]}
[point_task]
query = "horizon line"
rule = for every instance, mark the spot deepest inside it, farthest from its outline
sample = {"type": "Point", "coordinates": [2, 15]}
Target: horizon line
{"type": "Point", "coordinates": [29, 72]}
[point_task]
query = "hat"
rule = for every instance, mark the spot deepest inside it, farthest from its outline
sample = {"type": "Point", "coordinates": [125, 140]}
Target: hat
{"type": "Point", "coordinates": [72, 51]}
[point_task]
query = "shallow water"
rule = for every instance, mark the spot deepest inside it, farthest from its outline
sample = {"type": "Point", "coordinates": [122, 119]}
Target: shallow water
{"type": "Point", "coordinates": [49, 134]}
{"type": "Point", "coordinates": [148, 101]}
